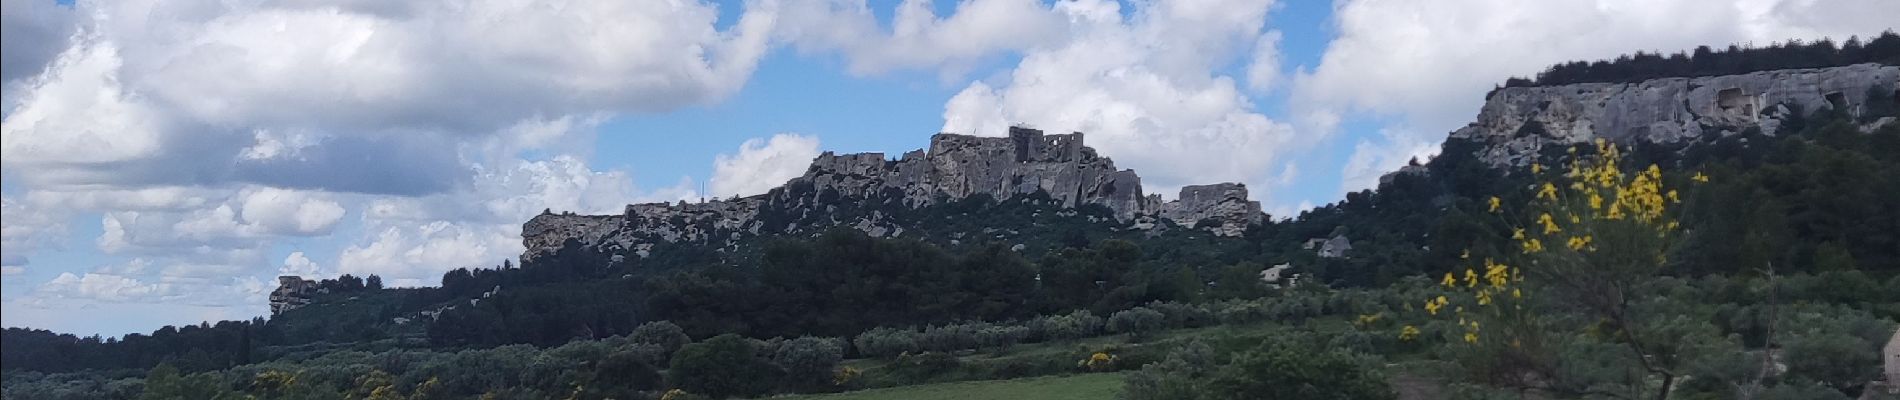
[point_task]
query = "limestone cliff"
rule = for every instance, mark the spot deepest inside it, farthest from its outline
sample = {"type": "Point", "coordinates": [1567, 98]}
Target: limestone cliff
{"type": "Point", "coordinates": [1517, 123]}
{"type": "Point", "coordinates": [837, 190]}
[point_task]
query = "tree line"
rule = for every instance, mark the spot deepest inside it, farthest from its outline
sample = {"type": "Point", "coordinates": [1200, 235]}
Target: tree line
{"type": "Point", "coordinates": [1732, 60]}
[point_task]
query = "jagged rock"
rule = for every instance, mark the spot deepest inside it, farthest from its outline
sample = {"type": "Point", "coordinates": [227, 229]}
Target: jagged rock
{"type": "Point", "coordinates": [1024, 163]}
{"type": "Point", "coordinates": [292, 292]}
{"type": "Point", "coordinates": [1892, 356]}
{"type": "Point", "coordinates": [1405, 170]}
{"type": "Point", "coordinates": [1517, 123]}
{"type": "Point", "coordinates": [1334, 247]}
{"type": "Point", "coordinates": [1224, 204]}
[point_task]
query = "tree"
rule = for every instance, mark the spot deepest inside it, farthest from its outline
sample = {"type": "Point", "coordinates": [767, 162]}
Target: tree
{"type": "Point", "coordinates": [624, 372]}
{"type": "Point", "coordinates": [721, 367]}
{"type": "Point", "coordinates": [661, 333]}
{"type": "Point", "coordinates": [1182, 375]}
{"type": "Point", "coordinates": [808, 361]}
{"type": "Point", "coordinates": [1138, 321]}
{"type": "Point", "coordinates": [1591, 236]}
{"type": "Point", "coordinates": [374, 282]}
{"type": "Point", "coordinates": [165, 382]}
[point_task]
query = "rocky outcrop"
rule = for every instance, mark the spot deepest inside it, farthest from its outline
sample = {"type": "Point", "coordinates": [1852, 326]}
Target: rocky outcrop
{"type": "Point", "coordinates": [1517, 123]}
{"type": "Point", "coordinates": [955, 167]}
{"type": "Point", "coordinates": [1891, 355]}
{"type": "Point", "coordinates": [1223, 207]}
{"type": "Point", "coordinates": [292, 292]}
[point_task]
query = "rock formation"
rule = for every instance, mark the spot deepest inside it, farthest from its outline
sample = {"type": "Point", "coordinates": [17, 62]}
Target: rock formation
{"type": "Point", "coordinates": [1517, 123]}
{"type": "Point", "coordinates": [955, 167]}
{"type": "Point", "coordinates": [1891, 354]}
{"type": "Point", "coordinates": [292, 292]}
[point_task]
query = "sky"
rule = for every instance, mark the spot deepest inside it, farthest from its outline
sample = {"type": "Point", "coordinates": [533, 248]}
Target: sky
{"type": "Point", "coordinates": [162, 162]}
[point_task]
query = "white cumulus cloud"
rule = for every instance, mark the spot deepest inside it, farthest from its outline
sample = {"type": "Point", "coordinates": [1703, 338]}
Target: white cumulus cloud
{"type": "Point", "coordinates": [762, 164]}
{"type": "Point", "coordinates": [1429, 63]}
{"type": "Point", "coordinates": [1145, 91]}
{"type": "Point", "coordinates": [290, 212]}
{"type": "Point", "coordinates": [298, 265]}
{"type": "Point", "coordinates": [918, 38]}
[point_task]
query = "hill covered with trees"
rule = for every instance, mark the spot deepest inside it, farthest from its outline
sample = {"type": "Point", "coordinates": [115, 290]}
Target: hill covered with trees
{"type": "Point", "coordinates": [1733, 60]}
{"type": "Point", "coordinates": [1806, 271]}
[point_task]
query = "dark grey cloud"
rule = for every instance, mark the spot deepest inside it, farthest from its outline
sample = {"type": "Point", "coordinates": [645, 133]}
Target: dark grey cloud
{"type": "Point", "coordinates": [32, 33]}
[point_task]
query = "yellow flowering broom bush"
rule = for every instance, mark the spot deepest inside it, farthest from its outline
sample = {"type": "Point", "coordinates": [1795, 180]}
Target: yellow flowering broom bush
{"type": "Point", "coordinates": [1588, 236]}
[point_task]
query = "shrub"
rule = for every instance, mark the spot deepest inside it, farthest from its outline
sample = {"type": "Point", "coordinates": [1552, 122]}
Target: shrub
{"type": "Point", "coordinates": [1136, 321]}
{"type": "Point", "coordinates": [1833, 359]}
{"type": "Point", "coordinates": [808, 361]}
{"type": "Point", "coordinates": [652, 354]}
{"type": "Point", "coordinates": [1075, 325]}
{"type": "Point", "coordinates": [1182, 315]}
{"type": "Point", "coordinates": [950, 337]}
{"type": "Point", "coordinates": [1180, 376]}
{"type": "Point", "coordinates": [1241, 312]}
{"type": "Point", "coordinates": [720, 367]}
{"type": "Point", "coordinates": [665, 334]}
{"type": "Point", "coordinates": [624, 372]}
{"type": "Point", "coordinates": [917, 367]}
{"type": "Point", "coordinates": [1288, 370]}
{"type": "Point", "coordinates": [1001, 336]}
{"type": "Point", "coordinates": [885, 342]}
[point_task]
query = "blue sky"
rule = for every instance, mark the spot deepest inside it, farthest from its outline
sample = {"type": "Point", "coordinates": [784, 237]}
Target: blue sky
{"type": "Point", "coordinates": [165, 161]}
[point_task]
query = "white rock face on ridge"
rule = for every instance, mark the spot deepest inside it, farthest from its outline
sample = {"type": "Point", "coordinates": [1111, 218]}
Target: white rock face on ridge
{"type": "Point", "coordinates": [954, 167]}
{"type": "Point", "coordinates": [1517, 123]}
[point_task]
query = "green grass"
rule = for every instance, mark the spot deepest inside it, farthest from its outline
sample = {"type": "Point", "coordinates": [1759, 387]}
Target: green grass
{"type": "Point", "coordinates": [1070, 387]}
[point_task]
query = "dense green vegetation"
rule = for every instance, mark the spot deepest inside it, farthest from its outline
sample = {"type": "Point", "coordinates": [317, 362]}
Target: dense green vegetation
{"type": "Point", "coordinates": [1806, 271]}
{"type": "Point", "coordinates": [1733, 60]}
{"type": "Point", "coordinates": [1071, 387]}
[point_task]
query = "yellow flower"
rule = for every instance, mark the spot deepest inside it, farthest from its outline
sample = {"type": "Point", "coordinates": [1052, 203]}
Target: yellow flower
{"type": "Point", "coordinates": [1466, 255]}
{"type": "Point", "coordinates": [1484, 297]}
{"type": "Point", "coordinates": [1579, 242]}
{"type": "Point", "coordinates": [1471, 337]}
{"type": "Point", "coordinates": [1496, 204]}
{"type": "Point", "coordinates": [1517, 234]}
{"type": "Point", "coordinates": [845, 375]}
{"type": "Point", "coordinates": [1433, 306]}
{"type": "Point", "coordinates": [1673, 198]}
{"type": "Point", "coordinates": [1449, 280]}
{"type": "Point", "coordinates": [1408, 333]}
{"type": "Point", "coordinates": [1547, 192]}
{"type": "Point", "coordinates": [1537, 168]}
{"type": "Point", "coordinates": [1517, 293]}
{"type": "Point", "coordinates": [1471, 278]}
{"type": "Point", "coordinates": [1596, 200]}
{"type": "Point", "coordinates": [1699, 177]}
{"type": "Point", "coordinates": [1497, 275]}
{"type": "Point", "coordinates": [1533, 246]}
{"type": "Point", "coordinates": [1550, 224]}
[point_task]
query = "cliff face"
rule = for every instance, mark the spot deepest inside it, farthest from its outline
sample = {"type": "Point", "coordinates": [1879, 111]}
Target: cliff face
{"type": "Point", "coordinates": [955, 167]}
{"type": "Point", "coordinates": [1517, 123]}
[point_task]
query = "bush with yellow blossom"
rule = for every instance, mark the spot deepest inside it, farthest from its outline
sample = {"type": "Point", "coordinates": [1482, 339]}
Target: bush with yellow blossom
{"type": "Point", "coordinates": [1098, 362]}
{"type": "Point", "coordinates": [1590, 233]}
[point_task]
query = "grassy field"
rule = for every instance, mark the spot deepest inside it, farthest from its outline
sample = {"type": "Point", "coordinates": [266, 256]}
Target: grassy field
{"type": "Point", "coordinates": [1071, 387]}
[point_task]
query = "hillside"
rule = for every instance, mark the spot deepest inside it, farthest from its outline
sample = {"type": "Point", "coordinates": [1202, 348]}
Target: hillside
{"type": "Point", "coordinates": [1029, 254]}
